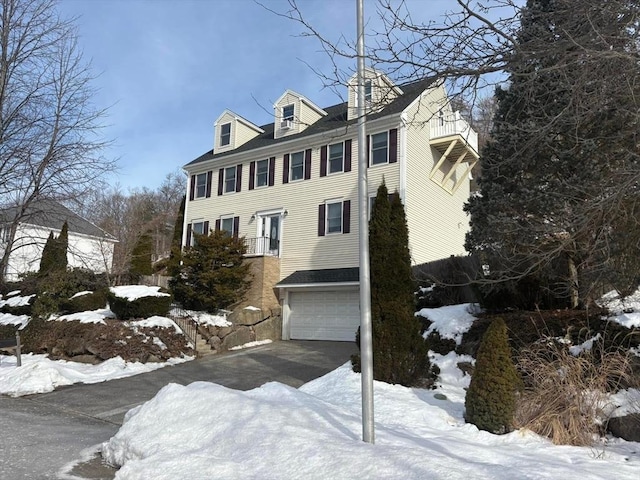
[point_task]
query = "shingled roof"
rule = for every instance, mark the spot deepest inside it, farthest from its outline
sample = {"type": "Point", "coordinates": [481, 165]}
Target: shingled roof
{"type": "Point", "coordinates": [329, 275]}
{"type": "Point", "coordinates": [51, 214]}
{"type": "Point", "coordinates": [336, 117]}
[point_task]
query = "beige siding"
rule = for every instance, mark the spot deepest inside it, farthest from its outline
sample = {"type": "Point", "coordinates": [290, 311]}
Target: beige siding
{"type": "Point", "coordinates": [382, 93]}
{"type": "Point", "coordinates": [288, 99]}
{"type": "Point", "coordinates": [302, 248]}
{"type": "Point", "coordinates": [241, 133]}
{"type": "Point", "coordinates": [437, 223]}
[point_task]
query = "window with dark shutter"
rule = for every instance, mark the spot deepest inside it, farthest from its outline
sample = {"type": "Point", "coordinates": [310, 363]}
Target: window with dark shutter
{"type": "Point", "coordinates": [272, 171]}
{"type": "Point", "coordinates": [238, 178]}
{"type": "Point", "coordinates": [236, 226]}
{"type": "Point", "coordinates": [188, 241]}
{"type": "Point", "coordinates": [393, 145]}
{"type": "Point", "coordinates": [307, 164]}
{"type": "Point", "coordinates": [209, 180]}
{"type": "Point", "coordinates": [252, 173]}
{"type": "Point", "coordinates": [192, 188]}
{"type": "Point", "coordinates": [347, 155]}
{"type": "Point", "coordinates": [221, 181]}
{"type": "Point", "coordinates": [217, 225]}
{"type": "Point", "coordinates": [285, 168]}
{"type": "Point", "coordinates": [346, 216]}
{"type": "Point", "coordinates": [321, 219]}
{"type": "Point", "coordinates": [323, 161]}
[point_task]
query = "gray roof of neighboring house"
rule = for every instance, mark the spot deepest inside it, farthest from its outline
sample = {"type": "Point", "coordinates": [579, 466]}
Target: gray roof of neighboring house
{"type": "Point", "coordinates": [336, 117]}
{"type": "Point", "coordinates": [331, 275]}
{"type": "Point", "coordinates": [51, 214]}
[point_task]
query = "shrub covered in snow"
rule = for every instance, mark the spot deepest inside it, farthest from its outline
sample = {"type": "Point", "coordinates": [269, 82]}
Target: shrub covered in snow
{"type": "Point", "coordinates": [138, 301]}
{"type": "Point", "coordinates": [491, 399]}
{"type": "Point", "coordinates": [84, 301]}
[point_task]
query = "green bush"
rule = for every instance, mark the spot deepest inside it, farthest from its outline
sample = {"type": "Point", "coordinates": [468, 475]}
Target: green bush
{"type": "Point", "coordinates": [88, 302]}
{"type": "Point", "coordinates": [142, 307]}
{"type": "Point", "coordinates": [491, 398]}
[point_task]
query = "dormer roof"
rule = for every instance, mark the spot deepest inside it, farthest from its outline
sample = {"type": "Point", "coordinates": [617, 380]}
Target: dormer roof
{"type": "Point", "coordinates": [240, 119]}
{"type": "Point", "coordinates": [290, 93]}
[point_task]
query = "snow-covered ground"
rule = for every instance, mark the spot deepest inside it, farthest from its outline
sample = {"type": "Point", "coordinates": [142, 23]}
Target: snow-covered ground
{"type": "Point", "coordinates": [204, 430]}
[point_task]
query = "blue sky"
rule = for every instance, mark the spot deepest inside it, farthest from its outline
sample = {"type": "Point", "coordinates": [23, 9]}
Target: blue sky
{"type": "Point", "coordinates": [169, 68]}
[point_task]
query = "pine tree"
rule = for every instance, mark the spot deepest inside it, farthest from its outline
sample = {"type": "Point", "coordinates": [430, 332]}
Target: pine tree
{"type": "Point", "coordinates": [563, 151]}
{"type": "Point", "coordinates": [141, 257]}
{"type": "Point", "coordinates": [62, 247]}
{"type": "Point", "coordinates": [491, 398]}
{"type": "Point", "coordinates": [48, 259]}
{"type": "Point", "coordinates": [400, 353]}
{"type": "Point", "coordinates": [213, 274]}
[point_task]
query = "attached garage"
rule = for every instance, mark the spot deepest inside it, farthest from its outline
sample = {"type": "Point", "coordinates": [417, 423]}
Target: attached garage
{"type": "Point", "coordinates": [324, 315]}
{"type": "Point", "coordinates": [321, 305]}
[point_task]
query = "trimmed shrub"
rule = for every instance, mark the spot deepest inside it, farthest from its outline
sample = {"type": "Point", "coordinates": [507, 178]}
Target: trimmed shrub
{"type": "Point", "coordinates": [90, 301]}
{"type": "Point", "coordinates": [142, 307]}
{"type": "Point", "coordinates": [491, 398]}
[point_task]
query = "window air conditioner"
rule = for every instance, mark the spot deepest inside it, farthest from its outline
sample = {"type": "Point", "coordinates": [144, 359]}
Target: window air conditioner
{"type": "Point", "coordinates": [286, 124]}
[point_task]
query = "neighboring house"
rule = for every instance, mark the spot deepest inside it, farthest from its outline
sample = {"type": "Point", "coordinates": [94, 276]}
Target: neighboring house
{"type": "Point", "coordinates": [90, 247]}
{"type": "Point", "coordinates": [291, 188]}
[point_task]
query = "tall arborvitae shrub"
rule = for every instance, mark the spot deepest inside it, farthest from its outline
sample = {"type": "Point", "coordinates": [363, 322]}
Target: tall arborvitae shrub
{"type": "Point", "coordinates": [491, 398]}
{"type": "Point", "coordinates": [54, 253]}
{"type": "Point", "coordinates": [48, 259]}
{"type": "Point", "coordinates": [400, 353]}
{"type": "Point", "coordinates": [62, 246]}
{"type": "Point", "coordinates": [213, 274]}
{"type": "Point", "coordinates": [176, 242]}
{"type": "Point", "coordinates": [141, 257]}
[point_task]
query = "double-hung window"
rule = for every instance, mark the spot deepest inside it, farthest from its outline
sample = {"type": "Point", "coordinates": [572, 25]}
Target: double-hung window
{"type": "Point", "coordinates": [367, 92]}
{"type": "Point", "coordinates": [379, 148]}
{"type": "Point", "coordinates": [287, 113]}
{"type": "Point", "coordinates": [230, 179]}
{"type": "Point", "coordinates": [201, 185]}
{"type": "Point", "coordinates": [262, 173]}
{"type": "Point", "coordinates": [336, 157]}
{"type": "Point", "coordinates": [226, 225]}
{"type": "Point", "coordinates": [225, 134]}
{"type": "Point", "coordinates": [297, 166]}
{"type": "Point", "coordinates": [334, 217]}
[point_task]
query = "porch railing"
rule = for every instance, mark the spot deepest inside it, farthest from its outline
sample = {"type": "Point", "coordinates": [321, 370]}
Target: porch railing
{"type": "Point", "coordinates": [453, 124]}
{"type": "Point", "coordinates": [262, 246]}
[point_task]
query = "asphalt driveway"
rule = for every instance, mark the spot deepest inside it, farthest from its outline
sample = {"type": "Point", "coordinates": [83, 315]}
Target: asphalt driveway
{"type": "Point", "coordinates": [40, 434]}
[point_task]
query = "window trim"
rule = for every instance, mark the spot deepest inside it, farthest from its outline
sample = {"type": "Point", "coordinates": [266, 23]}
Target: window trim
{"type": "Point", "coordinates": [342, 158]}
{"type": "Point", "coordinates": [198, 185]}
{"type": "Point", "coordinates": [227, 179]}
{"type": "Point", "coordinates": [225, 136]}
{"type": "Point", "coordinates": [293, 112]}
{"type": "Point", "coordinates": [371, 149]}
{"type": "Point", "coordinates": [291, 166]}
{"type": "Point", "coordinates": [256, 183]}
{"type": "Point", "coordinates": [224, 218]}
{"type": "Point", "coordinates": [328, 205]}
{"type": "Point", "coordinates": [368, 96]}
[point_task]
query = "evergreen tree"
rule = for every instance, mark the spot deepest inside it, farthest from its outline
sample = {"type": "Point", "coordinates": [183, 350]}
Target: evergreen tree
{"type": "Point", "coordinates": [62, 247]}
{"type": "Point", "coordinates": [48, 259]}
{"type": "Point", "coordinates": [563, 157]}
{"type": "Point", "coordinates": [213, 274]}
{"type": "Point", "coordinates": [176, 242]}
{"type": "Point", "coordinates": [491, 398]}
{"type": "Point", "coordinates": [400, 353]}
{"type": "Point", "coordinates": [141, 257]}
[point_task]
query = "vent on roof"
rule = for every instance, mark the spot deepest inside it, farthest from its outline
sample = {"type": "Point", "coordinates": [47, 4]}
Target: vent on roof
{"type": "Point", "coordinates": [286, 124]}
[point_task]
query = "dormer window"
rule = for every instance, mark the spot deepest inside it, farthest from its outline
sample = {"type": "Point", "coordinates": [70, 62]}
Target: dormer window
{"type": "Point", "coordinates": [367, 92]}
{"type": "Point", "coordinates": [225, 134]}
{"type": "Point", "coordinates": [287, 113]}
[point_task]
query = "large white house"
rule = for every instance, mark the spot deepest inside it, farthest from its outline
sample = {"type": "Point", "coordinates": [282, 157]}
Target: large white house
{"type": "Point", "coordinates": [291, 189]}
{"type": "Point", "coordinates": [90, 247]}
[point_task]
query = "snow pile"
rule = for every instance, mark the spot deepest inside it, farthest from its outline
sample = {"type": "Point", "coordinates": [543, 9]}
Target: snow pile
{"type": "Point", "coordinates": [81, 294]}
{"type": "Point", "coordinates": [451, 321]}
{"type": "Point", "coordinates": [625, 311]}
{"type": "Point", "coordinates": [133, 292]}
{"type": "Point", "coordinates": [15, 300]}
{"type": "Point", "coordinates": [10, 319]}
{"type": "Point", "coordinates": [155, 321]}
{"type": "Point", "coordinates": [94, 316]}
{"type": "Point", "coordinates": [276, 431]}
{"type": "Point", "coordinates": [38, 374]}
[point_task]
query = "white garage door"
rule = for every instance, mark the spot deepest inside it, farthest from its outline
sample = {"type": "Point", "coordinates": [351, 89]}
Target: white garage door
{"type": "Point", "coordinates": [324, 315]}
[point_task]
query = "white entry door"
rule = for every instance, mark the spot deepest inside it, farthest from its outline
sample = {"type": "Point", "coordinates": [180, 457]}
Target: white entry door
{"type": "Point", "coordinates": [269, 235]}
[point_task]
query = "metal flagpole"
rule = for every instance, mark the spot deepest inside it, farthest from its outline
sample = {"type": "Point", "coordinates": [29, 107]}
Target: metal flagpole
{"type": "Point", "coordinates": [366, 343]}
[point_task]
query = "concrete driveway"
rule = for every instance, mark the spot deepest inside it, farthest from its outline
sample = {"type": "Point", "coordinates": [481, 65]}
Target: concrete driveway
{"type": "Point", "coordinates": [40, 434]}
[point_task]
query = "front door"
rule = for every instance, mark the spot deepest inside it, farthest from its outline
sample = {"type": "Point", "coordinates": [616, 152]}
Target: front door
{"type": "Point", "coordinates": [269, 235]}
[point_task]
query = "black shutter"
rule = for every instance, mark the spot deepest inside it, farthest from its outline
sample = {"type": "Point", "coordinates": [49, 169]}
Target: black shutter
{"type": "Point", "coordinates": [347, 155]}
{"type": "Point", "coordinates": [209, 180]}
{"type": "Point", "coordinates": [285, 168]}
{"type": "Point", "coordinates": [346, 216]}
{"type": "Point", "coordinates": [238, 178]}
{"type": "Point", "coordinates": [307, 164]}
{"type": "Point", "coordinates": [205, 228]}
{"type": "Point", "coordinates": [220, 181]}
{"type": "Point", "coordinates": [236, 226]}
{"type": "Point", "coordinates": [393, 145]}
{"type": "Point", "coordinates": [323, 161]}
{"type": "Point", "coordinates": [252, 175]}
{"type": "Point", "coordinates": [192, 189]}
{"type": "Point", "coordinates": [218, 225]}
{"type": "Point", "coordinates": [321, 220]}
{"type": "Point", "coordinates": [368, 149]}
{"type": "Point", "coordinates": [188, 244]}
{"type": "Point", "coordinates": [272, 171]}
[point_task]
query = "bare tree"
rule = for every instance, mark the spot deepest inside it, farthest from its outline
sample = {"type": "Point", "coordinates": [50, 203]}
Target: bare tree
{"type": "Point", "coordinates": [50, 144]}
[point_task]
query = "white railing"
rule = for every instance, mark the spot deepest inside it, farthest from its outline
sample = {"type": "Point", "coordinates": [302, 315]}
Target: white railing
{"type": "Point", "coordinates": [453, 124]}
{"type": "Point", "coordinates": [262, 246]}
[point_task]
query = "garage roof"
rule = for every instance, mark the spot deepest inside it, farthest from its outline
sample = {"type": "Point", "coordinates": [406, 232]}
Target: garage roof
{"type": "Point", "coordinates": [309, 278]}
